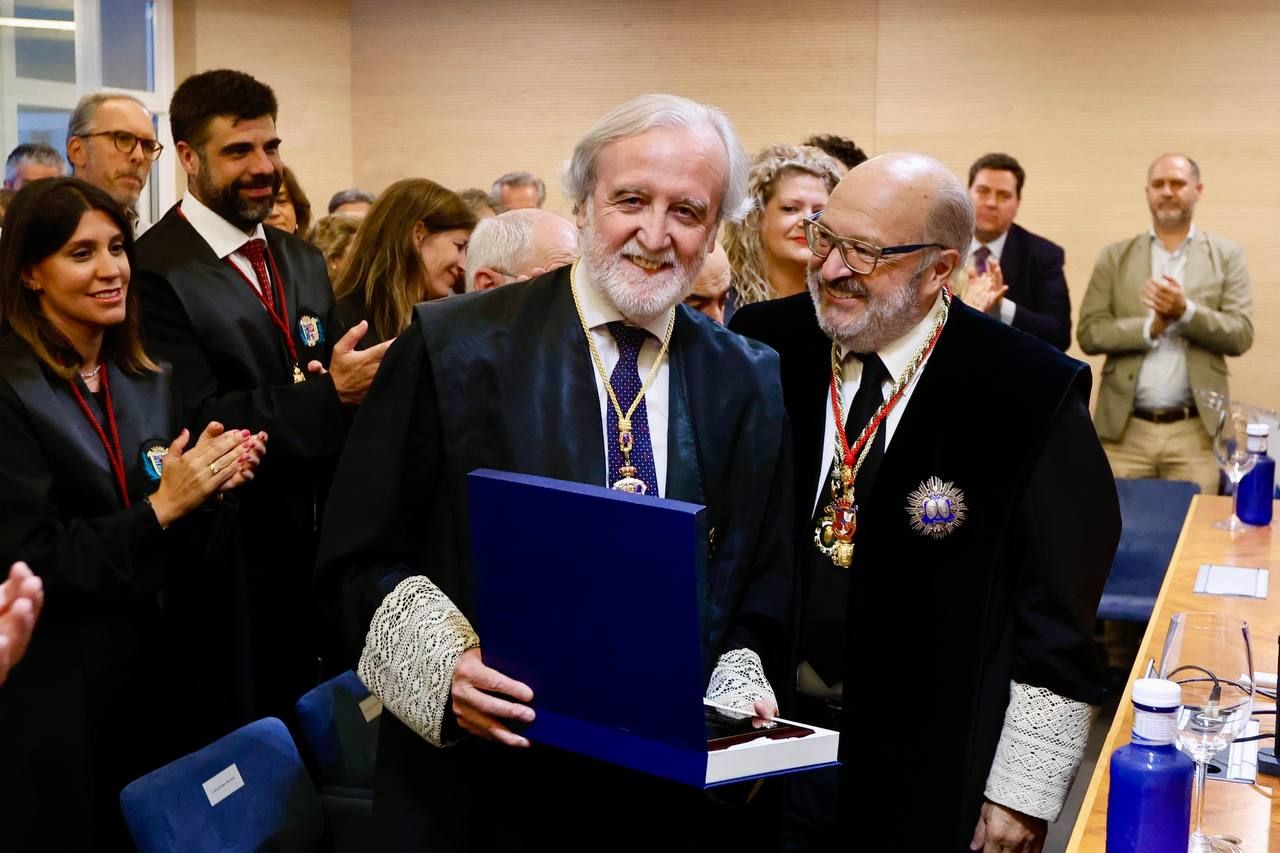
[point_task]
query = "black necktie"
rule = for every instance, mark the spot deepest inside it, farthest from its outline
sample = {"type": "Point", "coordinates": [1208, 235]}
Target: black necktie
{"type": "Point", "coordinates": [866, 402]}
{"type": "Point", "coordinates": [822, 635]}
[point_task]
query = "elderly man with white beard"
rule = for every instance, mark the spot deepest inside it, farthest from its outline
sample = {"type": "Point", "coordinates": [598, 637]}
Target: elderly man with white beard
{"type": "Point", "coordinates": [537, 379]}
{"type": "Point", "coordinates": [954, 526]}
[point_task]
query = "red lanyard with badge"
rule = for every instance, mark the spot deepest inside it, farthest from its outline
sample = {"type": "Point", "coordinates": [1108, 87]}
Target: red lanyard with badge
{"type": "Point", "coordinates": [277, 308]}
{"type": "Point", "coordinates": [110, 442]}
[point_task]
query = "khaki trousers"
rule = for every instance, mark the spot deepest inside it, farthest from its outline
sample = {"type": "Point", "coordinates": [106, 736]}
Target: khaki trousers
{"type": "Point", "coordinates": [1181, 450]}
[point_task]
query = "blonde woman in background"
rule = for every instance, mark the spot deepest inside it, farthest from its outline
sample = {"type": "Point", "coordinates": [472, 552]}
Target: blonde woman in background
{"type": "Point", "coordinates": [334, 235]}
{"type": "Point", "coordinates": [767, 251]}
{"type": "Point", "coordinates": [411, 247]}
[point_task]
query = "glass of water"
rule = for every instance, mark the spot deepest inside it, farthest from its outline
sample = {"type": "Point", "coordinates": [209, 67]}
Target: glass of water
{"type": "Point", "coordinates": [1231, 449]}
{"type": "Point", "coordinates": [1210, 656]}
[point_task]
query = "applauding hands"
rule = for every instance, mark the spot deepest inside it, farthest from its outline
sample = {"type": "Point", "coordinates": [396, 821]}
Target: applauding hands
{"type": "Point", "coordinates": [220, 460]}
{"type": "Point", "coordinates": [985, 291]}
{"type": "Point", "coordinates": [21, 597]}
{"type": "Point", "coordinates": [1165, 298]}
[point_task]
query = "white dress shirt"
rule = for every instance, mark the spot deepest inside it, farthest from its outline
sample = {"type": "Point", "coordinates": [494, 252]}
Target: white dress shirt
{"type": "Point", "coordinates": [1162, 379]}
{"type": "Point", "coordinates": [223, 238]}
{"type": "Point", "coordinates": [599, 312]}
{"type": "Point", "coordinates": [996, 248]}
{"type": "Point", "coordinates": [896, 356]}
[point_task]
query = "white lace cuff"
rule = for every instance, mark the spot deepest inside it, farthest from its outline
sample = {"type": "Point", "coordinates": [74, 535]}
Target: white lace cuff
{"type": "Point", "coordinates": [413, 645]}
{"type": "Point", "coordinates": [738, 681]}
{"type": "Point", "coordinates": [1040, 749]}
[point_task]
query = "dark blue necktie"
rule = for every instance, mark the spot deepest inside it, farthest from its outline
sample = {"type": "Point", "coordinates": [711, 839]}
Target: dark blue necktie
{"type": "Point", "coordinates": [980, 259]}
{"type": "Point", "coordinates": [626, 385]}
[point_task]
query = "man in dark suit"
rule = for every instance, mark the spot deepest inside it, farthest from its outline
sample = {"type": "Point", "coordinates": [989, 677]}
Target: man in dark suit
{"type": "Point", "coordinates": [516, 379]}
{"type": "Point", "coordinates": [245, 315]}
{"type": "Point", "coordinates": [1013, 275]}
{"type": "Point", "coordinates": [954, 532]}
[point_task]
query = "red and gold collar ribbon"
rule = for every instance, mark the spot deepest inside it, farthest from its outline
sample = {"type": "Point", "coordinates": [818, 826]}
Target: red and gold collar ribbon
{"type": "Point", "coordinates": [835, 531]}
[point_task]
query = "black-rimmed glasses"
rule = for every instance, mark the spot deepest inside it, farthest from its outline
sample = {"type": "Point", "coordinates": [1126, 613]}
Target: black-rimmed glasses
{"type": "Point", "coordinates": [858, 256]}
{"type": "Point", "coordinates": [125, 142]}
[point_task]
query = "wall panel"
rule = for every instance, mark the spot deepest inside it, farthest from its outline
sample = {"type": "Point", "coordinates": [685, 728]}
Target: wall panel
{"type": "Point", "coordinates": [1085, 94]}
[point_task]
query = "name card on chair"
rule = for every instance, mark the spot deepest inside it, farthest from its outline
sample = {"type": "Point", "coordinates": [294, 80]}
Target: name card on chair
{"type": "Point", "coordinates": [370, 707]}
{"type": "Point", "coordinates": [223, 785]}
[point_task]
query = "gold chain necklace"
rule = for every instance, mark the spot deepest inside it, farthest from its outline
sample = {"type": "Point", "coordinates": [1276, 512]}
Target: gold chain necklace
{"type": "Point", "coordinates": [627, 482]}
{"type": "Point", "coordinates": [839, 522]}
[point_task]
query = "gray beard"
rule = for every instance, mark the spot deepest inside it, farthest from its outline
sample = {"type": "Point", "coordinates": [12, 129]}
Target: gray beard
{"type": "Point", "coordinates": [885, 319]}
{"type": "Point", "coordinates": [639, 301]}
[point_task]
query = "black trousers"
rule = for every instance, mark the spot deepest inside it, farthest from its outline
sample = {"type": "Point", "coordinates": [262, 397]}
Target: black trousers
{"type": "Point", "coordinates": [810, 808]}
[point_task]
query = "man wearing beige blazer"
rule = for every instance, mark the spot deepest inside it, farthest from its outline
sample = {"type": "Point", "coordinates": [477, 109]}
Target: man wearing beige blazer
{"type": "Point", "coordinates": [1165, 307]}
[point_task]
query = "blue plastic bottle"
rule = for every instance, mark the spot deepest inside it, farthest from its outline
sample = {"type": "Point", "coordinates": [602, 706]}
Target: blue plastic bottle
{"type": "Point", "coordinates": [1149, 804]}
{"type": "Point", "coordinates": [1256, 491]}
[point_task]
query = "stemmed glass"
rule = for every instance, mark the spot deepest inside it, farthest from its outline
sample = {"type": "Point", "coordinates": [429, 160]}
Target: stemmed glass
{"type": "Point", "coordinates": [1209, 655]}
{"type": "Point", "coordinates": [1231, 449]}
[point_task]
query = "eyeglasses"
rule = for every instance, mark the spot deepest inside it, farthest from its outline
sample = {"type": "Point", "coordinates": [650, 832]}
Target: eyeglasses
{"type": "Point", "coordinates": [858, 256]}
{"type": "Point", "coordinates": [125, 142]}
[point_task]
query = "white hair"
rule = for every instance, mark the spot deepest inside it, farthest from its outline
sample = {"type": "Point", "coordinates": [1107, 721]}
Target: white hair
{"type": "Point", "coordinates": [949, 220]}
{"type": "Point", "coordinates": [645, 113]}
{"type": "Point", "coordinates": [499, 243]}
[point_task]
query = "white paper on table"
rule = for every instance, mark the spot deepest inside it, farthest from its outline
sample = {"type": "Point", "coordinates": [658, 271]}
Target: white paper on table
{"type": "Point", "coordinates": [1240, 581]}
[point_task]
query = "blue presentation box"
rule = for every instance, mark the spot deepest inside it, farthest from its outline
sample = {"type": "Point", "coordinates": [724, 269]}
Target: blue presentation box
{"type": "Point", "coordinates": [591, 597]}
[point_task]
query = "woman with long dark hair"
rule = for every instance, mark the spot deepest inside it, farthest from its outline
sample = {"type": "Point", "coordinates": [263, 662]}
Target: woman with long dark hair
{"type": "Point", "coordinates": [105, 505]}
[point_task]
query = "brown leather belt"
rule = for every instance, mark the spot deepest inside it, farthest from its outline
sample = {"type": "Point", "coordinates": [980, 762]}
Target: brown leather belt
{"type": "Point", "coordinates": [1166, 416]}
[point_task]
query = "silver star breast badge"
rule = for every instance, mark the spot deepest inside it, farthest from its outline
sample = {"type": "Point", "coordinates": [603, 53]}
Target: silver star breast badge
{"type": "Point", "coordinates": [936, 508]}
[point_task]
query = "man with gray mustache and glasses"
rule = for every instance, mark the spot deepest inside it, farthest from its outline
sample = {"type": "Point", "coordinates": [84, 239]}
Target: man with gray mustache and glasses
{"type": "Point", "coordinates": [954, 528]}
{"type": "Point", "coordinates": [518, 379]}
{"type": "Point", "coordinates": [111, 143]}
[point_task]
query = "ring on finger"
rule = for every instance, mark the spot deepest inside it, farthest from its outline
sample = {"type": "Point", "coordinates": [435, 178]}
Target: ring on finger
{"type": "Point", "coordinates": [213, 468]}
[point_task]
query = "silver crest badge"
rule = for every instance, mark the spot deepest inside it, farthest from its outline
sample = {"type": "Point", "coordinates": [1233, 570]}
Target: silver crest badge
{"type": "Point", "coordinates": [936, 508]}
{"type": "Point", "coordinates": [310, 330]}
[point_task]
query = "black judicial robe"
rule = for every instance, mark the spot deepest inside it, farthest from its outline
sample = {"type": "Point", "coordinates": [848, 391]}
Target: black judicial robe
{"type": "Point", "coordinates": [121, 676]}
{"type": "Point", "coordinates": [937, 628]}
{"type": "Point", "coordinates": [230, 364]}
{"type": "Point", "coordinates": [504, 380]}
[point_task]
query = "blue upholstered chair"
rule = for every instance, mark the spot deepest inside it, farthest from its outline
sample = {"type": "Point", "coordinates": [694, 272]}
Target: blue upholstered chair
{"type": "Point", "coordinates": [248, 791]}
{"type": "Point", "coordinates": [341, 733]}
{"type": "Point", "coordinates": [1152, 512]}
{"type": "Point", "coordinates": [339, 724]}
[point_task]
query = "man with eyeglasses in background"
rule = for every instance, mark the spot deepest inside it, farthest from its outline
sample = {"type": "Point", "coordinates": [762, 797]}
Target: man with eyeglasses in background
{"type": "Point", "coordinates": [947, 589]}
{"type": "Point", "coordinates": [111, 143]}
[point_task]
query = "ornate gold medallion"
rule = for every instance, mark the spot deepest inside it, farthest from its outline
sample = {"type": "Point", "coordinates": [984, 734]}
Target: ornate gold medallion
{"type": "Point", "coordinates": [839, 523]}
{"type": "Point", "coordinates": [941, 509]}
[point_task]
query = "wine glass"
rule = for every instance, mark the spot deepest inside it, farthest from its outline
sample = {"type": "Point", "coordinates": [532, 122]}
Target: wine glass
{"type": "Point", "coordinates": [1208, 654]}
{"type": "Point", "coordinates": [1231, 449]}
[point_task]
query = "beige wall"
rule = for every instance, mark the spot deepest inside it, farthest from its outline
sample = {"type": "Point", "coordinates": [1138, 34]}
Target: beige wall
{"type": "Point", "coordinates": [302, 50]}
{"type": "Point", "coordinates": [1085, 94]}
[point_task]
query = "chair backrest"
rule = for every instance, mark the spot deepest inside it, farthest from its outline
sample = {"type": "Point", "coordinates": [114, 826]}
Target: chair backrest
{"type": "Point", "coordinates": [339, 721]}
{"type": "Point", "coordinates": [1152, 512]}
{"type": "Point", "coordinates": [246, 791]}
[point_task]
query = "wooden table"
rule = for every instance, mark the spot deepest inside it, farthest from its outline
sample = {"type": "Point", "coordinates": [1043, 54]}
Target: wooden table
{"type": "Point", "coordinates": [1248, 812]}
